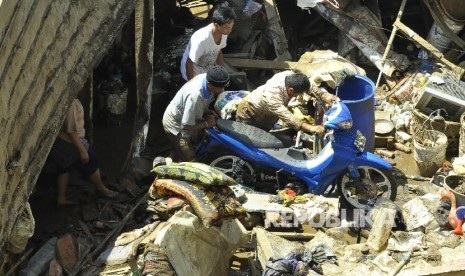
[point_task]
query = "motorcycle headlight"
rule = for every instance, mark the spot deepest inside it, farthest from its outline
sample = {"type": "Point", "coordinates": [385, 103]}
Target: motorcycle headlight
{"type": "Point", "coordinates": [345, 124]}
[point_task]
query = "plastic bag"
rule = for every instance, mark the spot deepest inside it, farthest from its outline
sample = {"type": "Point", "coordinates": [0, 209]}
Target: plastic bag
{"type": "Point", "coordinates": [251, 8]}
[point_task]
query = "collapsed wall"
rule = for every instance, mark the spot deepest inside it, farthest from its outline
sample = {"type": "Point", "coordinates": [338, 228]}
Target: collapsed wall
{"type": "Point", "coordinates": [47, 50]}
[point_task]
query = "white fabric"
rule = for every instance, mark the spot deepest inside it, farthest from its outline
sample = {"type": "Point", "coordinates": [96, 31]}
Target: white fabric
{"type": "Point", "coordinates": [202, 50]}
{"type": "Point", "coordinates": [226, 103]}
{"type": "Point", "coordinates": [187, 107]}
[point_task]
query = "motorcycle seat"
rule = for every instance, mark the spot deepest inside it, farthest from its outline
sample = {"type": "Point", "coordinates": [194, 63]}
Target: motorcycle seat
{"type": "Point", "coordinates": [254, 136]}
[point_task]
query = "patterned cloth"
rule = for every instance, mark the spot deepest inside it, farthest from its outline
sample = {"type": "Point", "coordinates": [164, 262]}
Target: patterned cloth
{"type": "Point", "coordinates": [195, 173]}
{"type": "Point", "coordinates": [212, 204]}
{"type": "Point", "coordinates": [156, 262]}
{"type": "Point", "coordinates": [226, 103]}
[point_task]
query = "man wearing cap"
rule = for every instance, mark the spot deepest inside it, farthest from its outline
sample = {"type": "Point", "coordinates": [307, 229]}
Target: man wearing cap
{"type": "Point", "coordinates": [268, 103]}
{"type": "Point", "coordinates": [205, 45]}
{"type": "Point", "coordinates": [188, 112]}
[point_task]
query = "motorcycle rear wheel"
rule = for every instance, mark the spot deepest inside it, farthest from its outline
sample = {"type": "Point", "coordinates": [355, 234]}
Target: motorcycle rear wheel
{"type": "Point", "coordinates": [225, 161]}
{"type": "Point", "coordinates": [372, 178]}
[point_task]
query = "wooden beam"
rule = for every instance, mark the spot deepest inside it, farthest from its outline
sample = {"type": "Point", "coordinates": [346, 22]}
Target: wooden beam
{"type": "Point", "coordinates": [144, 40]}
{"type": "Point", "coordinates": [90, 256]}
{"type": "Point", "coordinates": [391, 39]}
{"type": "Point", "coordinates": [233, 70]}
{"type": "Point", "coordinates": [276, 31]}
{"type": "Point", "coordinates": [294, 236]}
{"type": "Point", "coordinates": [430, 48]}
{"type": "Point", "coordinates": [260, 64]}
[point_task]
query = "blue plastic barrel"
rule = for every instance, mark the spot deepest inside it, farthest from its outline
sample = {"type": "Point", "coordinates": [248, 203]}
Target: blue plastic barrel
{"type": "Point", "coordinates": [358, 94]}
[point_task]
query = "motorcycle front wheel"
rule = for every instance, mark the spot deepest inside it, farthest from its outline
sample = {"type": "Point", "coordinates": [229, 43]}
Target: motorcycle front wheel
{"type": "Point", "coordinates": [376, 183]}
{"type": "Point", "coordinates": [226, 162]}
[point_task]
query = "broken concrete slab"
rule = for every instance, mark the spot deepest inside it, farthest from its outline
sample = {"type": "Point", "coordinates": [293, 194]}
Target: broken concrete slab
{"type": "Point", "coordinates": [271, 245]}
{"type": "Point", "coordinates": [452, 263]}
{"type": "Point", "coordinates": [67, 251]}
{"type": "Point", "coordinates": [381, 229]}
{"type": "Point", "coordinates": [188, 244]}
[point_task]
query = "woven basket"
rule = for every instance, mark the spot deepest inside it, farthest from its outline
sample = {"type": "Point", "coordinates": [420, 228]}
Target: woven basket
{"type": "Point", "coordinates": [450, 129]}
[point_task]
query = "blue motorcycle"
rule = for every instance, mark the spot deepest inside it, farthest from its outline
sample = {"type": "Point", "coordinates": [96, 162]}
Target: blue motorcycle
{"type": "Point", "coordinates": [266, 161]}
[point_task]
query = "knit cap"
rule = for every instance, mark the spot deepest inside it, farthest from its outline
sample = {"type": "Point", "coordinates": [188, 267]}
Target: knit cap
{"type": "Point", "coordinates": [218, 76]}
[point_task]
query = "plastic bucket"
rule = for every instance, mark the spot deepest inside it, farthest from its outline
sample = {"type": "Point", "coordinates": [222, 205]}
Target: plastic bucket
{"type": "Point", "coordinates": [450, 183]}
{"type": "Point", "coordinates": [439, 39]}
{"type": "Point", "coordinates": [429, 157]}
{"type": "Point", "coordinates": [358, 94]}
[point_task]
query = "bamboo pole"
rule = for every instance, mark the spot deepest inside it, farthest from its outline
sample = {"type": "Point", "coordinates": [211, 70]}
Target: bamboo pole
{"type": "Point", "coordinates": [391, 39]}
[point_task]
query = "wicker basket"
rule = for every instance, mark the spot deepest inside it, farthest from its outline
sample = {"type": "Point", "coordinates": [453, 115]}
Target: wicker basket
{"type": "Point", "coordinates": [451, 130]}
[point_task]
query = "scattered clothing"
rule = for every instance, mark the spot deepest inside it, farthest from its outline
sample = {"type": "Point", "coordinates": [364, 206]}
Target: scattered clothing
{"type": "Point", "coordinates": [298, 264]}
{"type": "Point", "coordinates": [156, 262]}
{"type": "Point", "coordinates": [289, 265]}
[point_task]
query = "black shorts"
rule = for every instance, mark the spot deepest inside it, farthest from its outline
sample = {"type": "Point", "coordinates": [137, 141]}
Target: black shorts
{"type": "Point", "coordinates": [66, 157]}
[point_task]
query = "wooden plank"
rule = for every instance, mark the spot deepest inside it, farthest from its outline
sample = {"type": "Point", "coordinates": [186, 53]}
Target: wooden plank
{"type": "Point", "coordinates": [391, 39]}
{"type": "Point", "coordinates": [260, 203]}
{"type": "Point", "coordinates": [295, 236]}
{"type": "Point", "coordinates": [231, 69]}
{"type": "Point", "coordinates": [276, 30]}
{"type": "Point", "coordinates": [116, 231]}
{"type": "Point", "coordinates": [144, 32]}
{"type": "Point", "coordinates": [430, 48]}
{"type": "Point", "coordinates": [260, 64]}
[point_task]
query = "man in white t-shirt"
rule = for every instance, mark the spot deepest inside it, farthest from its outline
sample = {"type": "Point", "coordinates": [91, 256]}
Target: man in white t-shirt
{"type": "Point", "coordinates": [188, 113]}
{"type": "Point", "coordinates": [204, 48]}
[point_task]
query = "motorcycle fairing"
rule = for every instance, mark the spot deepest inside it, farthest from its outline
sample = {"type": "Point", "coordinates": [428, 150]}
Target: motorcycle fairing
{"type": "Point", "coordinates": [336, 114]}
{"type": "Point", "coordinates": [372, 160]}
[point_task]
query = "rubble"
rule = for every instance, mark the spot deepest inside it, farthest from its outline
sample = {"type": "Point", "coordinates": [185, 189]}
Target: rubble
{"type": "Point", "coordinates": [176, 228]}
